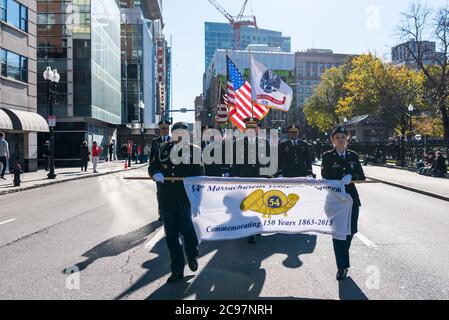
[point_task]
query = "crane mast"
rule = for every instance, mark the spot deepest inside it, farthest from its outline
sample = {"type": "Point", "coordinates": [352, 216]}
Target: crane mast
{"type": "Point", "coordinates": [236, 22]}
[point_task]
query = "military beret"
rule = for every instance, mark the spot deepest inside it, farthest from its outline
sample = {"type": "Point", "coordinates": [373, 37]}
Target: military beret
{"type": "Point", "coordinates": [339, 130]}
{"type": "Point", "coordinates": [180, 125]}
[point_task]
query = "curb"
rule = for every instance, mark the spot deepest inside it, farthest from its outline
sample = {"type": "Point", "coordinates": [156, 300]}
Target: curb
{"type": "Point", "coordinates": [423, 192]}
{"type": "Point", "coordinates": [47, 184]}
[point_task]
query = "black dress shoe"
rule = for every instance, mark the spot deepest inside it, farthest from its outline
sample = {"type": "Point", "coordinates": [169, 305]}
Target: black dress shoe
{"type": "Point", "coordinates": [252, 240]}
{"type": "Point", "coordinates": [193, 265]}
{"type": "Point", "coordinates": [342, 274]}
{"type": "Point", "coordinates": [175, 277]}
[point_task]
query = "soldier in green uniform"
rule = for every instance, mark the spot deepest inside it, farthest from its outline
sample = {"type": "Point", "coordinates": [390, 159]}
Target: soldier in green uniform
{"type": "Point", "coordinates": [295, 159]}
{"type": "Point", "coordinates": [343, 164]}
{"type": "Point", "coordinates": [248, 164]}
{"type": "Point", "coordinates": [164, 131]}
{"type": "Point", "coordinates": [175, 205]}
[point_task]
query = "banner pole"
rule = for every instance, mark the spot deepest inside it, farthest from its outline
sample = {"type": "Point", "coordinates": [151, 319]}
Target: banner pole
{"type": "Point", "coordinates": [254, 180]}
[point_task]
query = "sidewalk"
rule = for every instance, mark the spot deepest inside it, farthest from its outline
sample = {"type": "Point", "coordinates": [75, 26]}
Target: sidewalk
{"type": "Point", "coordinates": [39, 179]}
{"type": "Point", "coordinates": [436, 187]}
{"type": "Point", "coordinates": [408, 180]}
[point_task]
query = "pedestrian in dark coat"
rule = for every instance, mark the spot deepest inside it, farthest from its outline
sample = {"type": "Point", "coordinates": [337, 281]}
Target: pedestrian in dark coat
{"type": "Point", "coordinates": [46, 152]}
{"type": "Point", "coordinates": [84, 154]}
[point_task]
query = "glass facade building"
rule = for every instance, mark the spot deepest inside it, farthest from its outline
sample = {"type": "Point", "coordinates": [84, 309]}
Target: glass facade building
{"type": "Point", "coordinates": [105, 62]}
{"type": "Point", "coordinates": [221, 36]}
{"type": "Point", "coordinates": [80, 38]}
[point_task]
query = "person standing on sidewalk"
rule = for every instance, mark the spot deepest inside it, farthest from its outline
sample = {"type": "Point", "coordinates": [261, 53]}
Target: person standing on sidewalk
{"type": "Point", "coordinates": [46, 154]}
{"type": "Point", "coordinates": [96, 151]}
{"type": "Point", "coordinates": [84, 153]}
{"type": "Point", "coordinates": [146, 153]}
{"type": "Point", "coordinates": [4, 154]}
{"type": "Point", "coordinates": [343, 164]}
{"type": "Point", "coordinates": [111, 152]}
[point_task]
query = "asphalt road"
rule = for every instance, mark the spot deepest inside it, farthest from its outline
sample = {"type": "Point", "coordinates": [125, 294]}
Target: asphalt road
{"type": "Point", "coordinates": [105, 231]}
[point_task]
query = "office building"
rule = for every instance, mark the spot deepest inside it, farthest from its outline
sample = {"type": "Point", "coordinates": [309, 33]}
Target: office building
{"type": "Point", "coordinates": [405, 53]}
{"type": "Point", "coordinates": [221, 36]}
{"type": "Point", "coordinates": [81, 39]}
{"type": "Point", "coordinates": [18, 92]}
{"type": "Point", "coordinates": [309, 67]}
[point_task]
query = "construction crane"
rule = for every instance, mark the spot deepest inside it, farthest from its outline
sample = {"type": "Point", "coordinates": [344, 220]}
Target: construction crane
{"type": "Point", "coordinates": [236, 22]}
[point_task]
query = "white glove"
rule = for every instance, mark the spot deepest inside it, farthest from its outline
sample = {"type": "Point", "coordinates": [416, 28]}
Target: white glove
{"type": "Point", "coordinates": [347, 180]}
{"type": "Point", "coordinates": [159, 177]}
{"type": "Point", "coordinates": [281, 177]}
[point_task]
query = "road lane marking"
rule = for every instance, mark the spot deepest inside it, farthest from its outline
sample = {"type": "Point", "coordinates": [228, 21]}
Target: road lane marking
{"type": "Point", "coordinates": [7, 221]}
{"type": "Point", "coordinates": [365, 240]}
{"type": "Point", "coordinates": [152, 242]}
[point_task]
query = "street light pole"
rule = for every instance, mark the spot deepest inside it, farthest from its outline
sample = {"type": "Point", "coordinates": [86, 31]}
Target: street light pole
{"type": "Point", "coordinates": [52, 77]}
{"type": "Point", "coordinates": [142, 129]}
{"type": "Point", "coordinates": [410, 110]}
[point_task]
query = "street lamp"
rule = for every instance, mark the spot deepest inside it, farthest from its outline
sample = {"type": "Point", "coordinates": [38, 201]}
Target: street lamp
{"type": "Point", "coordinates": [142, 129]}
{"type": "Point", "coordinates": [52, 77]}
{"type": "Point", "coordinates": [410, 110]}
{"type": "Point", "coordinates": [410, 114]}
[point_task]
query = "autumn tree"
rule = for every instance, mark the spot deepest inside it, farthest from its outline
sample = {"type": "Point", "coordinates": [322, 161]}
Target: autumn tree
{"type": "Point", "coordinates": [321, 108]}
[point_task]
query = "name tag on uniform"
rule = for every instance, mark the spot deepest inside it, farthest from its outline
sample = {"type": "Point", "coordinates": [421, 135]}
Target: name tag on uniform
{"type": "Point", "coordinates": [336, 165]}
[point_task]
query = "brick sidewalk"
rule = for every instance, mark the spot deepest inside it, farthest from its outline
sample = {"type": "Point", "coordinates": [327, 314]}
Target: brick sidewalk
{"type": "Point", "coordinates": [39, 179]}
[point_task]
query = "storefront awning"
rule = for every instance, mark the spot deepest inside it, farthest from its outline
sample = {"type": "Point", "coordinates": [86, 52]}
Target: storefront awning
{"type": "Point", "coordinates": [25, 121]}
{"type": "Point", "coordinates": [5, 121]}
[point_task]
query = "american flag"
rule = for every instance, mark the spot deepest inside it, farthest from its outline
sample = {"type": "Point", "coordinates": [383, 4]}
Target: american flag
{"type": "Point", "coordinates": [222, 109]}
{"type": "Point", "coordinates": [240, 97]}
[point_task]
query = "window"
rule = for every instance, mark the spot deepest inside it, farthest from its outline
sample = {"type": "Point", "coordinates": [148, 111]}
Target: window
{"type": "Point", "coordinates": [3, 62]}
{"type": "Point", "coordinates": [15, 14]}
{"type": "Point", "coordinates": [23, 18]}
{"type": "Point", "coordinates": [14, 66]}
{"type": "Point", "coordinates": [3, 9]}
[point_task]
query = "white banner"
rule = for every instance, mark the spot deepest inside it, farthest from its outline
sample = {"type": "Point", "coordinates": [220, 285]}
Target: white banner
{"type": "Point", "coordinates": [268, 88]}
{"type": "Point", "coordinates": [234, 208]}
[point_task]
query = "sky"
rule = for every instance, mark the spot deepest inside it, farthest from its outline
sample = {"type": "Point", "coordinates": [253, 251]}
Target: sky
{"type": "Point", "coordinates": [344, 26]}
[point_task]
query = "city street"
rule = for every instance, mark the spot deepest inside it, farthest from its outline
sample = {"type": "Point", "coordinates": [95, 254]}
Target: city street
{"type": "Point", "coordinates": [107, 229]}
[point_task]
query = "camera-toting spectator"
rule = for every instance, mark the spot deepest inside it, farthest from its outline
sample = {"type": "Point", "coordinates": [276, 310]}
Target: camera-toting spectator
{"type": "Point", "coordinates": [439, 168]}
{"type": "Point", "coordinates": [426, 164]}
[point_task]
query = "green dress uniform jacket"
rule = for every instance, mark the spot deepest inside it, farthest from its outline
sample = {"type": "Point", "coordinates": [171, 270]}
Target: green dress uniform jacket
{"type": "Point", "coordinates": [245, 167]}
{"type": "Point", "coordinates": [295, 159]}
{"type": "Point", "coordinates": [334, 167]}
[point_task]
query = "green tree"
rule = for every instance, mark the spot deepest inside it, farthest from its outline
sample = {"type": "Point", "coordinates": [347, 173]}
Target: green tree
{"type": "Point", "coordinates": [381, 89]}
{"type": "Point", "coordinates": [321, 108]}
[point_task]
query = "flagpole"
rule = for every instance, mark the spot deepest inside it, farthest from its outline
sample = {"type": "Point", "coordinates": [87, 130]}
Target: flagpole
{"type": "Point", "coordinates": [251, 83]}
{"type": "Point", "coordinates": [227, 80]}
